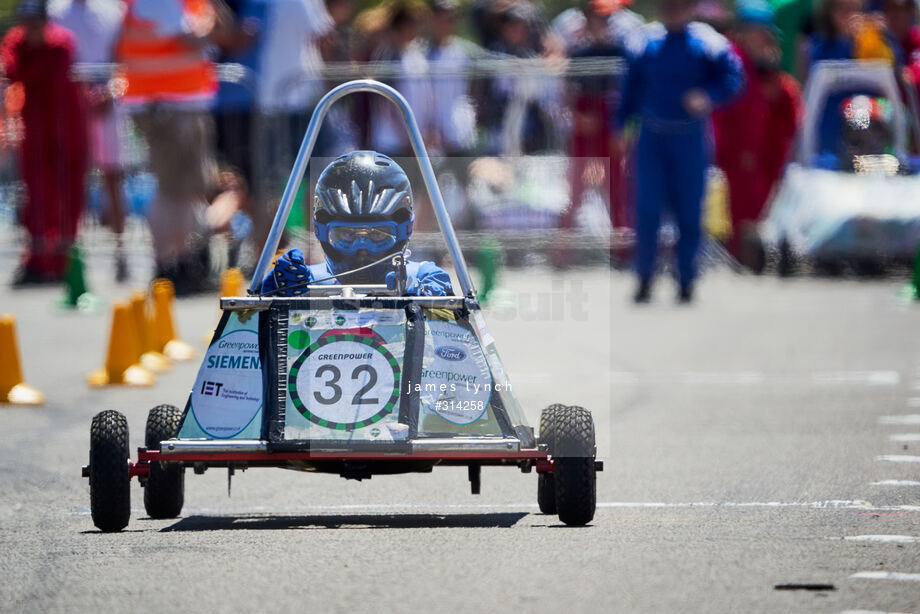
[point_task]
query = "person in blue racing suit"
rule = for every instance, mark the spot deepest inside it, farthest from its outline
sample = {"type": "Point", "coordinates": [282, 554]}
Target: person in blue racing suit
{"type": "Point", "coordinates": [362, 214]}
{"type": "Point", "coordinates": [677, 73]}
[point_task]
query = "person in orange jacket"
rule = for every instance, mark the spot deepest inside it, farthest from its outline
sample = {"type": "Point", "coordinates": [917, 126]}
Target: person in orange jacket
{"type": "Point", "coordinates": [54, 154]}
{"type": "Point", "coordinates": [170, 83]}
{"type": "Point", "coordinates": [754, 135]}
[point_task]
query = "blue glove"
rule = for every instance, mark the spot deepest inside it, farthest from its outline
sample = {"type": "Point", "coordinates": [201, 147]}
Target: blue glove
{"type": "Point", "coordinates": [290, 270]}
{"type": "Point", "coordinates": [430, 280]}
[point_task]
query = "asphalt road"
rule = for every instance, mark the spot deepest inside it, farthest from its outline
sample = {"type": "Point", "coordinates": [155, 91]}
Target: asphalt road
{"type": "Point", "coordinates": [751, 440]}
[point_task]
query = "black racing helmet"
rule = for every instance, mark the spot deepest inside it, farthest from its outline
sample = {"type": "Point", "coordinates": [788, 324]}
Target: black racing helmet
{"type": "Point", "coordinates": [362, 209]}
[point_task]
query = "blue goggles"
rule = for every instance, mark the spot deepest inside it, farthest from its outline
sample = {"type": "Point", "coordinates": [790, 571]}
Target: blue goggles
{"type": "Point", "coordinates": [350, 237]}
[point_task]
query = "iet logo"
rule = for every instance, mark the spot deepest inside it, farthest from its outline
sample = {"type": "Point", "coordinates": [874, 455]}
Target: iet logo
{"type": "Point", "coordinates": [211, 389]}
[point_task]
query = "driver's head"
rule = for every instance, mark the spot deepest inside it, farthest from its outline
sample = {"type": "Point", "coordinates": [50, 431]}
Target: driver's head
{"type": "Point", "coordinates": [867, 125]}
{"type": "Point", "coordinates": [362, 211]}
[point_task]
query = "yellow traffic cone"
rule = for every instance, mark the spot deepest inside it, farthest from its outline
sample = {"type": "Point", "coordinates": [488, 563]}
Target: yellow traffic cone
{"type": "Point", "coordinates": [164, 295]}
{"type": "Point", "coordinates": [150, 358]}
{"type": "Point", "coordinates": [12, 388]}
{"type": "Point", "coordinates": [232, 282]}
{"type": "Point", "coordinates": [122, 363]}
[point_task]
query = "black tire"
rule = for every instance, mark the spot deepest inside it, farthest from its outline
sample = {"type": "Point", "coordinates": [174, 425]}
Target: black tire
{"type": "Point", "coordinates": [546, 493]}
{"type": "Point", "coordinates": [546, 486]}
{"type": "Point", "coordinates": [164, 492]}
{"type": "Point", "coordinates": [109, 477]}
{"type": "Point", "coordinates": [753, 254]}
{"type": "Point", "coordinates": [786, 264]}
{"type": "Point", "coordinates": [572, 447]}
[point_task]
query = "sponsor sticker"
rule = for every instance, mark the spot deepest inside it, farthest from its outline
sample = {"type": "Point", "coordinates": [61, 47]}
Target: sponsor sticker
{"type": "Point", "coordinates": [228, 391]}
{"type": "Point", "coordinates": [456, 383]}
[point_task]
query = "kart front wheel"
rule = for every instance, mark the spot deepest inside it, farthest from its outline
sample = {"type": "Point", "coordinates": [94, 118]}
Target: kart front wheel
{"type": "Point", "coordinates": [546, 487]}
{"type": "Point", "coordinates": [164, 492]}
{"type": "Point", "coordinates": [109, 477]}
{"type": "Point", "coordinates": [572, 446]}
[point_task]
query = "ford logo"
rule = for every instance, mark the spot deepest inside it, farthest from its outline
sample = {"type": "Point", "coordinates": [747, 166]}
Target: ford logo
{"type": "Point", "coordinates": [448, 352]}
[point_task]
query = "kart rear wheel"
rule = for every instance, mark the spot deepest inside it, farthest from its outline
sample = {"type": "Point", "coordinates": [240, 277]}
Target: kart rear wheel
{"type": "Point", "coordinates": [546, 493]}
{"type": "Point", "coordinates": [546, 487]}
{"type": "Point", "coordinates": [753, 254]}
{"type": "Point", "coordinates": [786, 264]}
{"type": "Point", "coordinates": [109, 477]}
{"type": "Point", "coordinates": [164, 492]}
{"type": "Point", "coordinates": [573, 449]}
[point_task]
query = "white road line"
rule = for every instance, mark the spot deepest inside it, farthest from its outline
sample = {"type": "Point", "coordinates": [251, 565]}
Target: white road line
{"type": "Point", "coordinates": [900, 420]}
{"type": "Point", "coordinates": [896, 483]}
{"type": "Point", "coordinates": [705, 378]}
{"type": "Point", "coordinates": [887, 575]}
{"type": "Point", "coordinates": [869, 378]}
{"type": "Point", "coordinates": [886, 539]}
{"type": "Point", "coordinates": [831, 504]}
{"type": "Point", "coordinates": [898, 458]}
{"type": "Point", "coordinates": [905, 437]}
{"type": "Point", "coordinates": [743, 377]}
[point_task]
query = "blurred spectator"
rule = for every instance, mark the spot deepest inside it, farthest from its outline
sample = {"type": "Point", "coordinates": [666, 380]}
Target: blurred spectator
{"type": "Point", "coordinates": [95, 25]}
{"type": "Point", "coordinates": [515, 113]}
{"type": "Point", "coordinates": [594, 163]}
{"type": "Point", "coordinates": [452, 129]}
{"type": "Point", "coordinates": [846, 31]}
{"type": "Point", "coordinates": [401, 44]}
{"type": "Point", "coordinates": [233, 106]}
{"type": "Point", "coordinates": [901, 19]}
{"type": "Point", "coordinates": [795, 20]}
{"type": "Point", "coordinates": [454, 119]}
{"type": "Point", "coordinates": [170, 85]}
{"type": "Point", "coordinates": [336, 46]}
{"type": "Point", "coordinates": [676, 76]}
{"type": "Point", "coordinates": [39, 54]}
{"type": "Point", "coordinates": [289, 59]}
{"type": "Point", "coordinates": [621, 23]}
{"type": "Point", "coordinates": [755, 133]}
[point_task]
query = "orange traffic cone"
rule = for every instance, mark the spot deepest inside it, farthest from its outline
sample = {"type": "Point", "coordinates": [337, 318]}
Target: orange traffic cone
{"type": "Point", "coordinates": [164, 295]}
{"type": "Point", "coordinates": [150, 358]}
{"type": "Point", "coordinates": [12, 388]}
{"type": "Point", "coordinates": [122, 363]}
{"type": "Point", "coordinates": [232, 282]}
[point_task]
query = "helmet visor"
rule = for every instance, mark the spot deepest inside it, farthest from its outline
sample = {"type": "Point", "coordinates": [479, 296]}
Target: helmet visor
{"type": "Point", "coordinates": [374, 237]}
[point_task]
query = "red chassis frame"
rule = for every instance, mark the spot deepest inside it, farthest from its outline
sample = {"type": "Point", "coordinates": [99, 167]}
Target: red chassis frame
{"type": "Point", "coordinates": [541, 460]}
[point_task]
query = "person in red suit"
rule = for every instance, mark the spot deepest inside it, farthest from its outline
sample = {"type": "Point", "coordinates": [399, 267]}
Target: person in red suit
{"type": "Point", "coordinates": [54, 155]}
{"type": "Point", "coordinates": [754, 135]}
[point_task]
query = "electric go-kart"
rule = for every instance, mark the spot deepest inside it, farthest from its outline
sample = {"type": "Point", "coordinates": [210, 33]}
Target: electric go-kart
{"type": "Point", "coordinates": [354, 380]}
{"type": "Point", "coordinates": [854, 202]}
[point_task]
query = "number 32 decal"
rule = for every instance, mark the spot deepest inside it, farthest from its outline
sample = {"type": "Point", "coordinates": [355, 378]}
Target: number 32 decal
{"type": "Point", "coordinates": [332, 384]}
{"type": "Point", "coordinates": [345, 382]}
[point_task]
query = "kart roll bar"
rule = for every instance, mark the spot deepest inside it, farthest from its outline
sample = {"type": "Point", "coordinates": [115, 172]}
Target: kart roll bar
{"type": "Point", "coordinates": [303, 157]}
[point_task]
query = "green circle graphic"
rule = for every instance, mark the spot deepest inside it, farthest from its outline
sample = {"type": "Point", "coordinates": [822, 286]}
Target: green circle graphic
{"type": "Point", "coordinates": [299, 339]}
{"type": "Point", "coordinates": [344, 426]}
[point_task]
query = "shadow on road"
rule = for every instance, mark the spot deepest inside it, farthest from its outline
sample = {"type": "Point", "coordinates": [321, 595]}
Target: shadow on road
{"type": "Point", "coordinates": [356, 521]}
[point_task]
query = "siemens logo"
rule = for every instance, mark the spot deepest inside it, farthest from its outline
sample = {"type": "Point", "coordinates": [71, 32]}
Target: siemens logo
{"type": "Point", "coordinates": [448, 352]}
